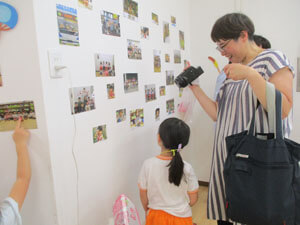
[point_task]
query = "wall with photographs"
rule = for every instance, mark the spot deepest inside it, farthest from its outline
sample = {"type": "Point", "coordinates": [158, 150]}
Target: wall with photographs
{"type": "Point", "coordinates": [104, 113]}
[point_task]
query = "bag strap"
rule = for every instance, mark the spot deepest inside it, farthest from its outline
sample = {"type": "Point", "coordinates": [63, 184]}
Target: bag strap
{"type": "Point", "coordinates": [270, 95]}
{"type": "Point", "coordinates": [279, 132]}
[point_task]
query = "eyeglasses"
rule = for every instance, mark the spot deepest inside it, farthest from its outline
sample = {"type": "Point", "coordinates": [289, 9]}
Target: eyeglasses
{"type": "Point", "coordinates": [221, 48]}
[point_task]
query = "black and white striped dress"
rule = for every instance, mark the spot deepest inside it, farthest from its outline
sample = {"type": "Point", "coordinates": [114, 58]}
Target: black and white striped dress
{"type": "Point", "coordinates": [236, 102]}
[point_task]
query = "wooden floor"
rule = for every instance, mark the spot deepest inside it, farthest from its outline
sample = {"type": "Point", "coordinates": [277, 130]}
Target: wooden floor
{"type": "Point", "coordinates": [199, 209]}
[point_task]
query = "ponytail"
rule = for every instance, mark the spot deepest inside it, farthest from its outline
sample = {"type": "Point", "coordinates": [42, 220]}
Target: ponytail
{"type": "Point", "coordinates": [176, 169]}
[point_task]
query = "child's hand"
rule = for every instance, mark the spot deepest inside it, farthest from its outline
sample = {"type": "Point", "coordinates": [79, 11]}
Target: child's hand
{"type": "Point", "coordinates": [20, 135]}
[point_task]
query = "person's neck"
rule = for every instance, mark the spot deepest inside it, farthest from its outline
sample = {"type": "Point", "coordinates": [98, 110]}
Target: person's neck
{"type": "Point", "coordinates": [165, 152]}
{"type": "Point", "coordinates": [253, 51]}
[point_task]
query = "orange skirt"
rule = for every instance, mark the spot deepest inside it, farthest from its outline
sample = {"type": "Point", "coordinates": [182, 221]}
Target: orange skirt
{"type": "Point", "coordinates": [159, 217]}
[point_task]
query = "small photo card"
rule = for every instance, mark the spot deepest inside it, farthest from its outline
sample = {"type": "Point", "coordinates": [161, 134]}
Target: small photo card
{"type": "Point", "coordinates": [134, 49]}
{"type": "Point", "coordinates": [131, 83]}
{"type": "Point", "coordinates": [82, 99]}
{"type": "Point", "coordinates": [150, 93]}
{"type": "Point", "coordinates": [99, 133]}
{"type": "Point", "coordinates": [110, 23]}
{"type": "Point", "coordinates": [170, 106]}
{"type": "Point", "coordinates": [110, 91]}
{"type": "Point", "coordinates": [104, 65]}
{"type": "Point", "coordinates": [137, 118]}
{"type": "Point", "coordinates": [121, 115]}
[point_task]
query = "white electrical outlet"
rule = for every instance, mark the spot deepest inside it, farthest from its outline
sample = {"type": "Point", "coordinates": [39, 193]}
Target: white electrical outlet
{"type": "Point", "coordinates": [55, 63]}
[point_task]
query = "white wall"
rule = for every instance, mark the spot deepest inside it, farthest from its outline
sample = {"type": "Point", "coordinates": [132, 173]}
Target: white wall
{"type": "Point", "coordinates": [276, 20]}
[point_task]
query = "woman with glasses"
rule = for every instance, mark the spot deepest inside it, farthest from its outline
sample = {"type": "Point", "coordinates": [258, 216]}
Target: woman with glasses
{"type": "Point", "coordinates": [246, 80]}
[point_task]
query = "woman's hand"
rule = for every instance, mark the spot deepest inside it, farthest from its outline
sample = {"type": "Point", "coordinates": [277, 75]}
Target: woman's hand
{"type": "Point", "coordinates": [236, 71]}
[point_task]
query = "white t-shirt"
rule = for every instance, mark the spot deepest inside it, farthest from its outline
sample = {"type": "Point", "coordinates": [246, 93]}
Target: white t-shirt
{"type": "Point", "coordinates": [162, 195]}
{"type": "Point", "coordinates": [9, 212]}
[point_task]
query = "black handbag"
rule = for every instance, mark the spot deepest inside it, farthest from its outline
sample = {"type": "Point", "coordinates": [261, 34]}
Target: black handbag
{"type": "Point", "coordinates": [262, 176]}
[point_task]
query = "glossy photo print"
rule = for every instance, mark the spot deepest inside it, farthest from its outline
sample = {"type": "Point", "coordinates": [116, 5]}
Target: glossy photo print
{"type": "Point", "coordinates": [150, 92]}
{"type": "Point", "coordinates": [121, 115]}
{"type": "Point", "coordinates": [169, 77]}
{"type": "Point", "coordinates": [170, 106]}
{"type": "Point", "coordinates": [173, 21]}
{"type": "Point", "coordinates": [104, 65]}
{"type": "Point", "coordinates": [155, 18]}
{"type": "Point", "coordinates": [177, 56]}
{"type": "Point", "coordinates": [145, 33]}
{"type": "Point", "coordinates": [110, 24]}
{"type": "Point", "coordinates": [110, 91]}
{"type": "Point", "coordinates": [134, 49]}
{"type": "Point", "coordinates": [157, 61]}
{"type": "Point", "coordinates": [86, 4]}
{"type": "Point", "coordinates": [67, 25]}
{"type": "Point", "coordinates": [166, 32]}
{"type": "Point", "coordinates": [162, 90]}
{"type": "Point", "coordinates": [137, 118]}
{"type": "Point", "coordinates": [157, 114]}
{"type": "Point", "coordinates": [10, 113]}
{"type": "Point", "coordinates": [99, 133]}
{"type": "Point", "coordinates": [181, 40]}
{"type": "Point", "coordinates": [131, 83]}
{"type": "Point", "coordinates": [167, 58]}
{"type": "Point", "coordinates": [82, 99]}
{"type": "Point", "coordinates": [130, 9]}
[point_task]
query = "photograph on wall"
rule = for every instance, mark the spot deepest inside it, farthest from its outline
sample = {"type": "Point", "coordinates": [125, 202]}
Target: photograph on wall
{"type": "Point", "coordinates": [162, 90]}
{"type": "Point", "coordinates": [121, 115]}
{"type": "Point", "coordinates": [150, 92]}
{"type": "Point", "coordinates": [11, 112]}
{"type": "Point", "coordinates": [104, 65]}
{"type": "Point", "coordinates": [181, 40]}
{"type": "Point", "coordinates": [173, 21]}
{"type": "Point", "coordinates": [298, 75]}
{"type": "Point", "coordinates": [134, 49]}
{"type": "Point", "coordinates": [130, 82]}
{"type": "Point", "coordinates": [110, 91]}
{"type": "Point", "coordinates": [67, 25]}
{"type": "Point", "coordinates": [166, 32]}
{"type": "Point", "coordinates": [99, 133]}
{"type": "Point", "coordinates": [131, 9]}
{"type": "Point", "coordinates": [170, 106]}
{"type": "Point", "coordinates": [157, 114]}
{"type": "Point", "coordinates": [145, 33]}
{"type": "Point", "coordinates": [137, 118]}
{"type": "Point", "coordinates": [110, 24]}
{"type": "Point", "coordinates": [82, 99]}
{"type": "Point", "coordinates": [186, 63]}
{"type": "Point", "coordinates": [169, 77]}
{"type": "Point", "coordinates": [177, 56]}
{"type": "Point", "coordinates": [157, 62]}
{"type": "Point", "coordinates": [1, 82]}
{"type": "Point", "coordinates": [155, 18]}
{"type": "Point", "coordinates": [167, 58]}
{"type": "Point", "coordinates": [86, 4]}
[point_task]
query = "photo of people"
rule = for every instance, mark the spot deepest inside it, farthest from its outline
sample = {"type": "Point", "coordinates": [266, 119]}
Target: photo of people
{"type": "Point", "coordinates": [130, 82]}
{"type": "Point", "coordinates": [99, 133]}
{"type": "Point", "coordinates": [67, 25]}
{"type": "Point", "coordinates": [1, 82]}
{"type": "Point", "coordinates": [134, 49]}
{"type": "Point", "coordinates": [144, 32]}
{"type": "Point", "coordinates": [157, 114]}
{"type": "Point", "coordinates": [181, 40]}
{"type": "Point", "coordinates": [169, 77]}
{"type": "Point", "coordinates": [10, 113]}
{"type": "Point", "coordinates": [82, 99]}
{"type": "Point", "coordinates": [110, 24]}
{"type": "Point", "coordinates": [137, 118]}
{"type": "Point", "coordinates": [157, 62]}
{"type": "Point", "coordinates": [167, 58]}
{"type": "Point", "coordinates": [110, 91]}
{"type": "Point", "coordinates": [121, 115]}
{"type": "Point", "coordinates": [150, 92]}
{"type": "Point", "coordinates": [131, 9]}
{"type": "Point", "coordinates": [177, 56]}
{"type": "Point", "coordinates": [86, 3]}
{"type": "Point", "coordinates": [186, 63]}
{"type": "Point", "coordinates": [155, 18]}
{"type": "Point", "coordinates": [170, 106]}
{"type": "Point", "coordinates": [162, 90]}
{"type": "Point", "coordinates": [166, 32]}
{"type": "Point", "coordinates": [104, 65]}
{"type": "Point", "coordinates": [173, 21]}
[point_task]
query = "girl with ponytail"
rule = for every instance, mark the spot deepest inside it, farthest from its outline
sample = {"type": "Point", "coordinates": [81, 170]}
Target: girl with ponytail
{"type": "Point", "coordinates": [168, 185]}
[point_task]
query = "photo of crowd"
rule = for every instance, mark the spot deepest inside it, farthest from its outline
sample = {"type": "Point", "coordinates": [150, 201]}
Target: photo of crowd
{"type": "Point", "coordinates": [166, 32]}
{"type": "Point", "coordinates": [110, 24]}
{"type": "Point", "coordinates": [144, 32]}
{"type": "Point", "coordinates": [137, 118]}
{"type": "Point", "coordinates": [157, 62]}
{"type": "Point", "coordinates": [177, 56]}
{"type": "Point", "coordinates": [167, 58]}
{"type": "Point", "coordinates": [181, 40]}
{"type": "Point", "coordinates": [150, 93]}
{"type": "Point", "coordinates": [82, 99]}
{"type": "Point", "coordinates": [170, 106]}
{"type": "Point", "coordinates": [99, 133]}
{"type": "Point", "coordinates": [110, 91]}
{"type": "Point", "coordinates": [86, 3]}
{"type": "Point", "coordinates": [134, 49]}
{"type": "Point", "coordinates": [131, 10]}
{"type": "Point", "coordinates": [121, 115]}
{"type": "Point", "coordinates": [11, 112]}
{"type": "Point", "coordinates": [104, 65]}
{"type": "Point", "coordinates": [67, 25]}
{"type": "Point", "coordinates": [130, 82]}
{"type": "Point", "coordinates": [169, 77]}
{"type": "Point", "coordinates": [155, 18]}
{"type": "Point", "coordinates": [162, 90]}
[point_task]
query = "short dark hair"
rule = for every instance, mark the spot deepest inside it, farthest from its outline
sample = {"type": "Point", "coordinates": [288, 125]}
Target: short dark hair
{"type": "Point", "coordinates": [173, 132]}
{"type": "Point", "coordinates": [230, 26]}
{"type": "Point", "coordinates": [261, 41]}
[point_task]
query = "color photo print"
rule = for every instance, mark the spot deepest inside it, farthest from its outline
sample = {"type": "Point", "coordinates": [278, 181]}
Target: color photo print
{"type": "Point", "coordinates": [104, 65]}
{"type": "Point", "coordinates": [145, 33]}
{"type": "Point", "coordinates": [170, 106]}
{"type": "Point", "coordinates": [99, 133]}
{"type": "Point", "coordinates": [166, 32]}
{"type": "Point", "coordinates": [162, 90]}
{"type": "Point", "coordinates": [150, 92]}
{"type": "Point", "coordinates": [167, 58]}
{"type": "Point", "coordinates": [134, 49]}
{"type": "Point", "coordinates": [173, 21]}
{"type": "Point", "coordinates": [169, 77]}
{"type": "Point", "coordinates": [157, 61]}
{"type": "Point", "coordinates": [177, 56]}
{"type": "Point", "coordinates": [137, 118]}
{"type": "Point", "coordinates": [121, 115]}
{"type": "Point", "coordinates": [10, 113]}
{"type": "Point", "coordinates": [110, 24]}
{"type": "Point", "coordinates": [131, 9]}
{"type": "Point", "coordinates": [1, 81]}
{"type": "Point", "coordinates": [110, 91]}
{"type": "Point", "coordinates": [181, 40]}
{"type": "Point", "coordinates": [82, 99]}
{"type": "Point", "coordinates": [155, 18]}
{"type": "Point", "coordinates": [131, 83]}
{"type": "Point", "coordinates": [86, 4]}
{"type": "Point", "coordinates": [157, 114]}
{"type": "Point", "coordinates": [67, 25]}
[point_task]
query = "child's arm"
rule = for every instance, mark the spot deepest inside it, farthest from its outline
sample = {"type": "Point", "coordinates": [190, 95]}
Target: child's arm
{"type": "Point", "coordinates": [144, 199]}
{"type": "Point", "coordinates": [193, 198]}
{"type": "Point", "coordinates": [20, 187]}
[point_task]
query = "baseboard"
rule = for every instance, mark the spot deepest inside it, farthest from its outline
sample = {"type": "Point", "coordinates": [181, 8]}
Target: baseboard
{"type": "Point", "coordinates": [203, 183]}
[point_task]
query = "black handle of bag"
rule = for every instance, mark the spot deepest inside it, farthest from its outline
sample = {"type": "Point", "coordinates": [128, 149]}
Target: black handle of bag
{"type": "Point", "coordinates": [278, 102]}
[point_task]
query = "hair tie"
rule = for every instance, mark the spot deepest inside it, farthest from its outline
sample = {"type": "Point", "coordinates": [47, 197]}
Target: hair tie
{"type": "Point", "coordinates": [173, 151]}
{"type": "Point", "coordinates": [179, 148]}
